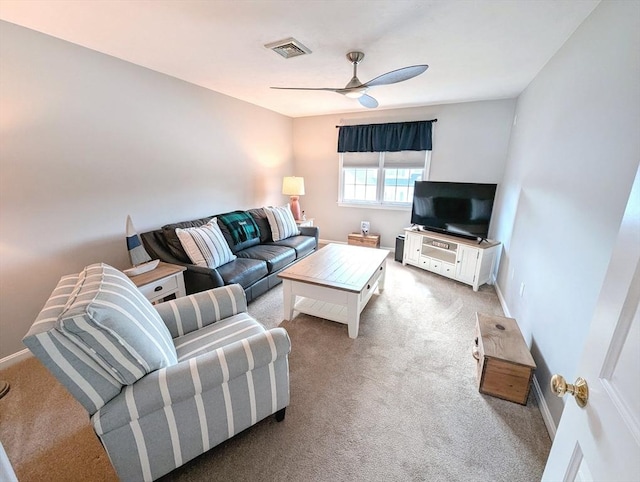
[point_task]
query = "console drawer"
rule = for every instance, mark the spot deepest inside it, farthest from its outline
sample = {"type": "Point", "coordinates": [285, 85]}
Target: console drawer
{"type": "Point", "coordinates": [371, 284]}
{"type": "Point", "coordinates": [160, 289]}
{"type": "Point", "coordinates": [435, 265]}
{"type": "Point", "coordinates": [448, 270]}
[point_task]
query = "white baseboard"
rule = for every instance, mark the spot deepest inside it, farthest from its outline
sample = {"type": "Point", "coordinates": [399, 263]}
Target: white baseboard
{"type": "Point", "coordinates": [537, 390]}
{"type": "Point", "coordinates": [503, 303]}
{"type": "Point", "coordinates": [327, 241]}
{"type": "Point", "coordinates": [7, 361]}
{"type": "Point", "coordinates": [544, 409]}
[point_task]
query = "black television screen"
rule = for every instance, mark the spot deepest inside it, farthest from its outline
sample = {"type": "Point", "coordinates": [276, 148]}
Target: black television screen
{"type": "Point", "coordinates": [457, 208]}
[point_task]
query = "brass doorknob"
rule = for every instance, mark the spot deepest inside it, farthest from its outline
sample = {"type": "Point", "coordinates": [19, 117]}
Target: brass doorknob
{"type": "Point", "coordinates": [580, 390]}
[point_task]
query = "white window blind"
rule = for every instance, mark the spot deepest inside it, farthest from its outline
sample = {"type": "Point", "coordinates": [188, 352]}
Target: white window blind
{"type": "Point", "coordinates": [361, 159]}
{"type": "Point", "coordinates": [404, 160]}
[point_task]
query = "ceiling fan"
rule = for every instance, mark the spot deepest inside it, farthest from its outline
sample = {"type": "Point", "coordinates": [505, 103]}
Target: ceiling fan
{"type": "Point", "coordinates": [358, 90]}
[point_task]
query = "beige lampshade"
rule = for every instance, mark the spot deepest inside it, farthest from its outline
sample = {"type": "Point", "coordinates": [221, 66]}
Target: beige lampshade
{"type": "Point", "coordinates": [293, 186]}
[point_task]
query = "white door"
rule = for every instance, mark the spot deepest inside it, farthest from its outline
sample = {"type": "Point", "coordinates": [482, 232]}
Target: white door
{"type": "Point", "coordinates": [601, 442]}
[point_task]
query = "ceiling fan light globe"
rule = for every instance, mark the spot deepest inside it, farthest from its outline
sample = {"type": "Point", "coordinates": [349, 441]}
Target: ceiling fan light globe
{"type": "Point", "coordinates": [356, 93]}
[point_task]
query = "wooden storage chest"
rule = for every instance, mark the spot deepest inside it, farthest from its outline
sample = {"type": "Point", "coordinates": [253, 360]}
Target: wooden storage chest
{"type": "Point", "coordinates": [505, 365]}
{"type": "Point", "coordinates": [370, 241]}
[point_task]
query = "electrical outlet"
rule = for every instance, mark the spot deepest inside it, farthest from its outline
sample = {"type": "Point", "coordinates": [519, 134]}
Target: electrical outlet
{"type": "Point", "coordinates": [364, 227]}
{"type": "Point", "coordinates": [521, 289]}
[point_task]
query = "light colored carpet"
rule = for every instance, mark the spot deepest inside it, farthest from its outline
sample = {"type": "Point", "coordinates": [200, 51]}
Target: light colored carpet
{"type": "Point", "coordinates": [398, 403]}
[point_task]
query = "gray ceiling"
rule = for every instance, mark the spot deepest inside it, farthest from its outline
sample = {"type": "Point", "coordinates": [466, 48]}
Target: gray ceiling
{"type": "Point", "coordinates": [476, 49]}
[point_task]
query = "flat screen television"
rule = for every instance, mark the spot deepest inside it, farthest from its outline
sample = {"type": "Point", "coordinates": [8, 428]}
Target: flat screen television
{"type": "Point", "coordinates": [458, 208]}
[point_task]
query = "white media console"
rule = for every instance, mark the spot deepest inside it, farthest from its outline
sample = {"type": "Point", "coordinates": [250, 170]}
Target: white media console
{"type": "Point", "coordinates": [461, 259]}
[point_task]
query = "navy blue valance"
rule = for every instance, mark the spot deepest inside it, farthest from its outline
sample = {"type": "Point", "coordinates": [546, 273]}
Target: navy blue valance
{"type": "Point", "coordinates": [393, 137]}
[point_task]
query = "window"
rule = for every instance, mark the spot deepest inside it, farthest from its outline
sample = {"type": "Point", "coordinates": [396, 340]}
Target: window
{"type": "Point", "coordinates": [381, 179]}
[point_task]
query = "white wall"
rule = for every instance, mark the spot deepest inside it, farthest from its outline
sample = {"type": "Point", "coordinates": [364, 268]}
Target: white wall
{"type": "Point", "coordinates": [470, 142]}
{"type": "Point", "coordinates": [572, 159]}
{"type": "Point", "coordinates": [86, 139]}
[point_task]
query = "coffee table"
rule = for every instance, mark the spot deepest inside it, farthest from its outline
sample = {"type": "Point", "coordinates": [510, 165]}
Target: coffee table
{"type": "Point", "coordinates": [334, 283]}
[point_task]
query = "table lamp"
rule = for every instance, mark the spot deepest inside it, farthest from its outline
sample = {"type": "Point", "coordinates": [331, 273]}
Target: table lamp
{"type": "Point", "coordinates": [294, 187]}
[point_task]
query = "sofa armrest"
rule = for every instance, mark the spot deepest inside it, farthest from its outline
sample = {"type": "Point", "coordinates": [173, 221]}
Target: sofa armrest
{"type": "Point", "coordinates": [189, 378]}
{"type": "Point", "coordinates": [192, 312]}
{"type": "Point", "coordinates": [311, 231]}
{"type": "Point", "coordinates": [196, 278]}
{"type": "Point", "coordinates": [199, 278]}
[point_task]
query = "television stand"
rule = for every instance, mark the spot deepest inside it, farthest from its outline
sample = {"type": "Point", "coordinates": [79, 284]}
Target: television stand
{"type": "Point", "coordinates": [466, 260]}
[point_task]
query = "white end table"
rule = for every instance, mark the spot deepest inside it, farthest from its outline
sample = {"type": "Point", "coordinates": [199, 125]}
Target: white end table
{"type": "Point", "coordinates": [167, 279]}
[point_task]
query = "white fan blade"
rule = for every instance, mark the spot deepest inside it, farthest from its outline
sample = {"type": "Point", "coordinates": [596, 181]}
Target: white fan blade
{"type": "Point", "coordinates": [399, 75]}
{"type": "Point", "coordinates": [368, 101]}
{"type": "Point", "coordinates": [308, 88]}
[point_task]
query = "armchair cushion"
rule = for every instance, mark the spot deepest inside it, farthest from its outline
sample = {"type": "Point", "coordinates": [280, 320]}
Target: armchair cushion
{"type": "Point", "coordinates": [108, 318]}
{"type": "Point", "coordinates": [214, 336]}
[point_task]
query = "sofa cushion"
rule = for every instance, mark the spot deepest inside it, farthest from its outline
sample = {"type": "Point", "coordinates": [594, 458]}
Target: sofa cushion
{"type": "Point", "coordinates": [281, 222]}
{"type": "Point", "coordinates": [260, 217]}
{"type": "Point", "coordinates": [216, 335]}
{"type": "Point", "coordinates": [302, 244]}
{"type": "Point", "coordinates": [277, 257]}
{"type": "Point", "coordinates": [243, 271]}
{"type": "Point", "coordinates": [112, 321]}
{"type": "Point", "coordinates": [172, 240]}
{"type": "Point", "coordinates": [206, 245]}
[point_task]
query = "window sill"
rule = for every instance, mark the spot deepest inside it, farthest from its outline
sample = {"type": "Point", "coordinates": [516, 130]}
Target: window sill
{"type": "Point", "coordinates": [389, 207]}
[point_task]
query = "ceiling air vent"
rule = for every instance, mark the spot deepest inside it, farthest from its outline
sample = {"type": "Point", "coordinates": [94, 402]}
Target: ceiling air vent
{"type": "Point", "coordinates": [288, 48]}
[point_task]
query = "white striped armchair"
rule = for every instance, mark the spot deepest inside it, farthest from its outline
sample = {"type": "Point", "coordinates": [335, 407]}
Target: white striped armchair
{"type": "Point", "coordinates": [164, 383]}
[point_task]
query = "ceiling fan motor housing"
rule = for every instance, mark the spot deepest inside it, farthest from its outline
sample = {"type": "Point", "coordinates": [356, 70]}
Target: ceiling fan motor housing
{"type": "Point", "coordinates": [355, 57]}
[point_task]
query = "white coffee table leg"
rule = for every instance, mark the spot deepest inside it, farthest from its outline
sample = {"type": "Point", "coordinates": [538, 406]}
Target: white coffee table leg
{"type": "Point", "coordinates": [289, 299]}
{"type": "Point", "coordinates": [353, 314]}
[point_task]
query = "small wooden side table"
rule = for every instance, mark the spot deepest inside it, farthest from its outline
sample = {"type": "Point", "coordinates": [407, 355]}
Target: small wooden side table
{"type": "Point", "coordinates": [157, 284]}
{"type": "Point", "coordinates": [370, 241]}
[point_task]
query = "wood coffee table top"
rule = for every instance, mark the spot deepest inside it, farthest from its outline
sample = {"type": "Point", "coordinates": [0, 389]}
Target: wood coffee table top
{"type": "Point", "coordinates": [340, 266]}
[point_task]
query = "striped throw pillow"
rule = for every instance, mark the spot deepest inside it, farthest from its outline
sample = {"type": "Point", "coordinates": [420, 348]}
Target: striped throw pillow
{"type": "Point", "coordinates": [205, 245]}
{"type": "Point", "coordinates": [281, 222]}
{"type": "Point", "coordinates": [112, 321]}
